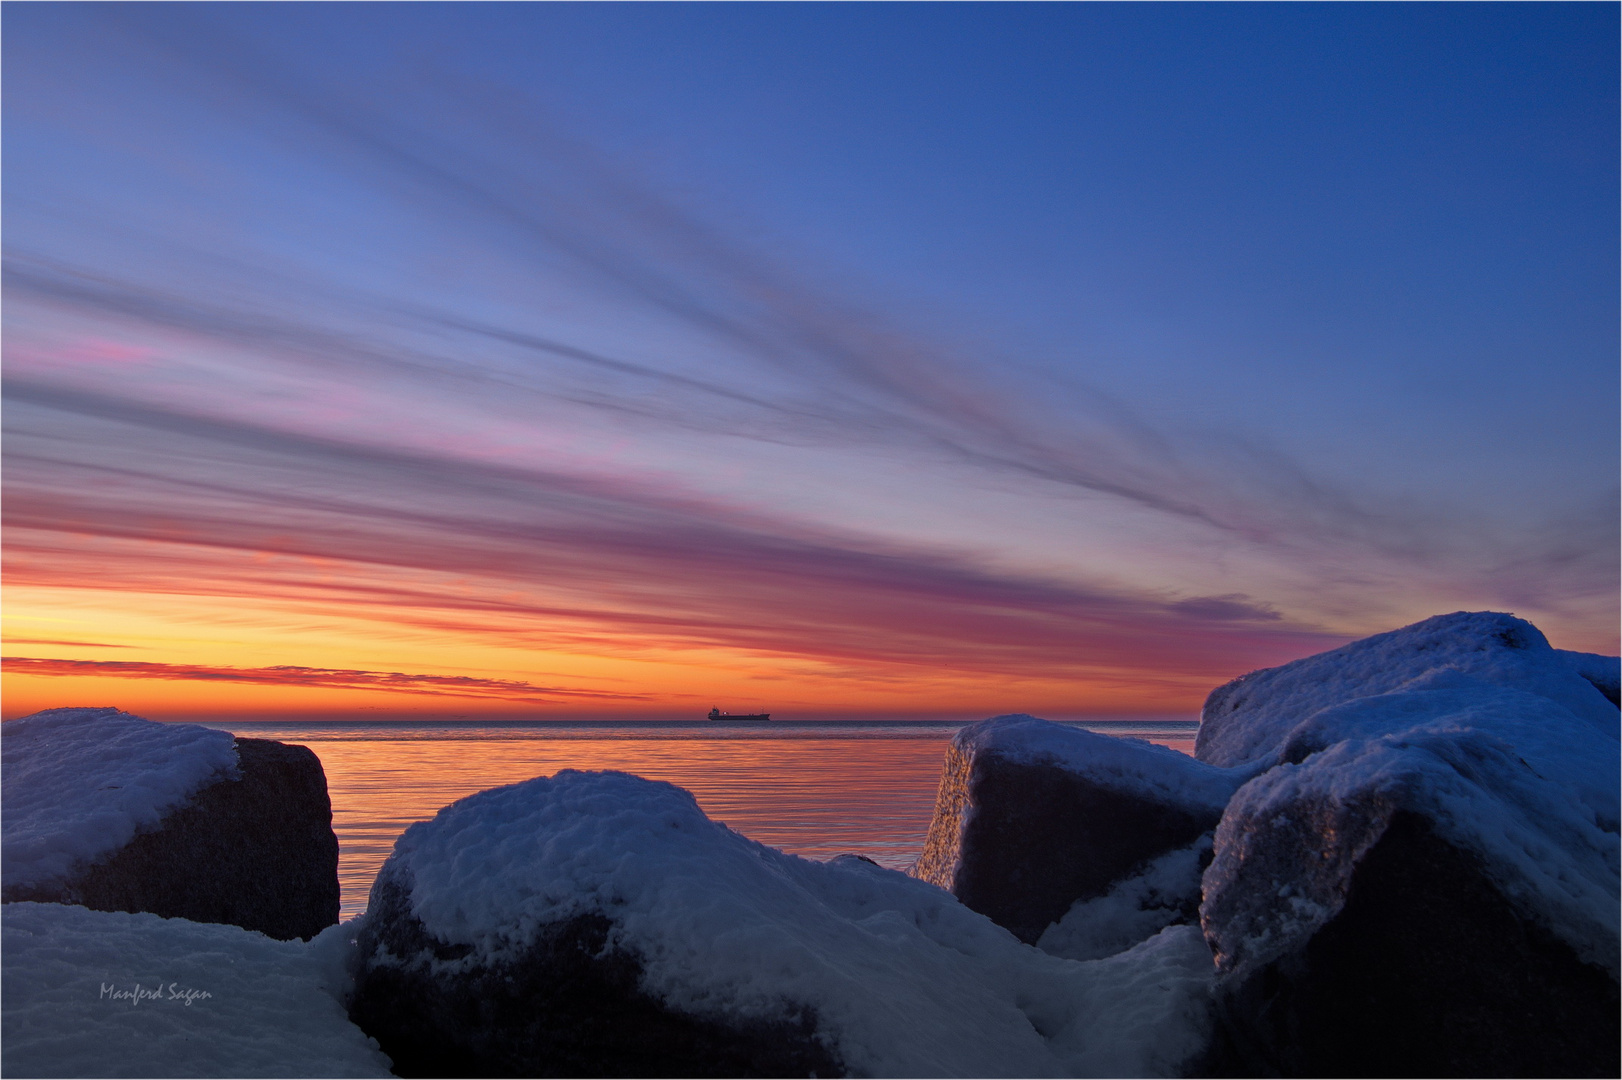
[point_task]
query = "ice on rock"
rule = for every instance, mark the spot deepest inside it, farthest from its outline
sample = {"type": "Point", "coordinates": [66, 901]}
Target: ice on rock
{"type": "Point", "coordinates": [78, 783]}
{"type": "Point", "coordinates": [623, 887]}
{"type": "Point", "coordinates": [94, 994]}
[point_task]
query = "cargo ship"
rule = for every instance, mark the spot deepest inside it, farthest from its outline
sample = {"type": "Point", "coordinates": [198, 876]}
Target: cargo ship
{"type": "Point", "coordinates": [717, 714]}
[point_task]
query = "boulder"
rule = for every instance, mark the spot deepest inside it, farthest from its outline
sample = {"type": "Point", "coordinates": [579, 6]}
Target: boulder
{"type": "Point", "coordinates": [117, 813]}
{"type": "Point", "coordinates": [1427, 968]}
{"type": "Point", "coordinates": [1424, 879]}
{"type": "Point", "coordinates": [569, 1003]}
{"type": "Point", "coordinates": [1033, 817]}
{"type": "Point", "coordinates": [1247, 721]}
{"type": "Point", "coordinates": [598, 924]}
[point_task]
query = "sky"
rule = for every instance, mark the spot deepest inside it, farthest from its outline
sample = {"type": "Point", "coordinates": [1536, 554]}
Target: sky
{"type": "Point", "coordinates": [914, 360]}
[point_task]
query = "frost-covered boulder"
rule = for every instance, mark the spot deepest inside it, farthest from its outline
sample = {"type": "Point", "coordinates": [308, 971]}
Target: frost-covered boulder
{"type": "Point", "coordinates": [96, 993]}
{"type": "Point", "coordinates": [597, 924]}
{"type": "Point", "coordinates": [1249, 719]}
{"type": "Point", "coordinates": [1034, 818]}
{"type": "Point", "coordinates": [118, 813]}
{"type": "Point", "coordinates": [1425, 882]}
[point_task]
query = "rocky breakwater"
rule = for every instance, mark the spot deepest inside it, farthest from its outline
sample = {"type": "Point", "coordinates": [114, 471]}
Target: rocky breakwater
{"type": "Point", "coordinates": [1414, 866]}
{"type": "Point", "coordinates": [598, 924]}
{"type": "Point", "coordinates": [117, 813]}
{"type": "Point", "coordinates": [1423, 877]}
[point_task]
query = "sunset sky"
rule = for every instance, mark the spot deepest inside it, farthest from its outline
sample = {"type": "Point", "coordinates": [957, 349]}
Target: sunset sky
{"type": "Point", "coordinates": [840, 360]}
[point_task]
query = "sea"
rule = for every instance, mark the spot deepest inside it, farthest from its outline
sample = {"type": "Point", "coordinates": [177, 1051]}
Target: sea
{"type": "Point", "coordinates": [817, 789]}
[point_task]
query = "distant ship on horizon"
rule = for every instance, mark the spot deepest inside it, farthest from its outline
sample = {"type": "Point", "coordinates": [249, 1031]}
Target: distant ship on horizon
{"type": "Point", "coordinates": [717, 714]}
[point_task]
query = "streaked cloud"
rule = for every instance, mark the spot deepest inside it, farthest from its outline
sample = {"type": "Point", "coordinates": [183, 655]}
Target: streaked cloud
{"type": "Point", "coordinates": [66, 644]}
{"type": "Point", "coordinates": [461, 686]}
{"type": "Point", "coordinates": [782, 360]}
{"type": "Point", "coordinates": [417, 352]}
{"type": "Point", "coordinates": [596, 555]}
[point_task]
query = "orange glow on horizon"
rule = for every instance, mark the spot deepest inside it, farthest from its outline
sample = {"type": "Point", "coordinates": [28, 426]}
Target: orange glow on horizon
{"type": "Point", "coordinates": [940, 698]}
{"type": "Point", "coordinates": [184, 634]}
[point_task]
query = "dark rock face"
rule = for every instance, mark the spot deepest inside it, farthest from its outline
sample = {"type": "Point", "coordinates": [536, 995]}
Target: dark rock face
{"type": "Point", "coordinates": [1427, 970]}
{"type": "Point", "coordinates": [568, 1005]}
{"type": "Point", "coordinates": [258, 852]}
{"type": "Point", "coordinates": [1020, 841]}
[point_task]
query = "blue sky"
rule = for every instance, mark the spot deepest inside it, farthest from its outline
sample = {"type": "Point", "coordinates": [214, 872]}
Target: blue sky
{"type": "Point", "coordinates": [1305, 310]}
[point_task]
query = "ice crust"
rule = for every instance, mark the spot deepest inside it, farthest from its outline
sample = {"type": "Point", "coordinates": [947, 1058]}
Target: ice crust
{"type": "Point", "coordinates": [1470, 720]}
{"type": "Point", "coordinates": [1248, 720]}
{"type": "Point", "coordinates": [76, 784]}
{"type": "Point", "coordinates": [272, 1008]}
{"type": "Point", "coordinates": [904, 980]}
{"type": "Point", "coordinates": [1131, 766]}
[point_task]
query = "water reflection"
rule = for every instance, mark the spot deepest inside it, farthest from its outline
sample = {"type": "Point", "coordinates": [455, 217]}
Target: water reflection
{"type": "Point", "coordinates": [812, 789]}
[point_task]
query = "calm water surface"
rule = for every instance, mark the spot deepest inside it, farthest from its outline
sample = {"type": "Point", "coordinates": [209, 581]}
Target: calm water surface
{"type": "Point", "coordinates": [815, 789]}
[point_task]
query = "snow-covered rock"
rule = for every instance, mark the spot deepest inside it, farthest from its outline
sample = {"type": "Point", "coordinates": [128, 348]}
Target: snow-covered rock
{"type": "Point", "coordinates": [1035, 818]}
{"type": "Point", "coordinates": [600, 924]}
{"type": "Point", "coordinates": [1247, 720]}
{"type": "Point", "coordinates": [119, 813]}
{"type": "Point", "coordinates": [1425, 878]}
{"type": "Point", "coordinates": [78, 784]}
{"type": "Point", "coordinates": [94, 993]}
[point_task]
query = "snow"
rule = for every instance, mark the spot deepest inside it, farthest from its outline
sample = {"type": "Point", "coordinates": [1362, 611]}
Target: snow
{"type": "Point", "coordinates": [1138, 907]}
{"type": "Point", "coordinates": [1131, 766]}
{"type": "Point", "coordinates": [1604, 672]}
{"type": "Point", "coordinates": [1470, 720]}
{"type": "Point", "coordinates": [78, 783]}
{"type": "Point", "coordinates": [1146, 1011]}
{"type": "Point", "coordinates": [1248, 720]}
{"type": "Point", "coordinates": [905, 980]}
{"type": "Point", "coordinates": [96, 993]}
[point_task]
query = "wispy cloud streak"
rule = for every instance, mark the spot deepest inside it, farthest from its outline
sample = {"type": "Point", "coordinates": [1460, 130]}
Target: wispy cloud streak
{"type": "Point", "coordinates": [394, 682]}
{"type": "Point", "coordinates": [599, 556]}
{"type": "Point", "coordinates": [300, 404]}
{"type": "Point", "coordinates": [65, 644]}
{"type": "Point", "coordinates": [802, 365]}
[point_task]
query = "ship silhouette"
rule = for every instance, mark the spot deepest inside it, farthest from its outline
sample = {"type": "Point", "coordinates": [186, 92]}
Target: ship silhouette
{"type": "Point", "coordinates": [717, 714]}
